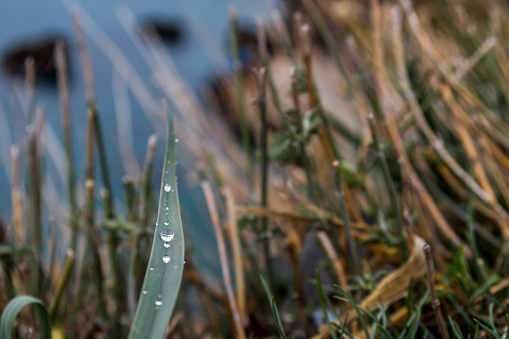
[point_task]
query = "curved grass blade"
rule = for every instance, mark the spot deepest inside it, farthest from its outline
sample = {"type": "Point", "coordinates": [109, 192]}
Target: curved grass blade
{"type": "Point", "coordinates": [322, 297]}
{"type": "Point", "coordinates": [15, 306]}
{"type": "Point", "coordinates": [166, 263]}
{"type": "Point", "coordinates": [275, 312]}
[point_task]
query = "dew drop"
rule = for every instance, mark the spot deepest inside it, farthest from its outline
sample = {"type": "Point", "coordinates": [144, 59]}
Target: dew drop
{"type": "Point", "coordinates": [167, 208]}
{"type": "Point", "coordinates": [166, 259]}
{"type": "Point", "coordinates": [167, 235]}
{"type": "Point", "coordinates": [151, 268]}
{"type": "Point", "coordinates": [167, 188]}
{"type": "Point", "coordinates": [157, 308]}
{"type": "Point", "coordinates": [144, 292]}
{"type": "Point", "coordinates": [167, 245]}
{"type": "Point", "coordinates": [159, 296]}
{"type": "Point", "coordinates": [158, 302]}
{"type": "Point", "coordinates": [184, 261]}
{"type": "Point", "coordinates": [166, 223]}
{"type": "Point", "coordinates": [177, 140]}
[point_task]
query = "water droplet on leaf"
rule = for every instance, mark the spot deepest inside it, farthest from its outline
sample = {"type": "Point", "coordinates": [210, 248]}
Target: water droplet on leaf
{"type": "Point", "coordinates": [167, 235]}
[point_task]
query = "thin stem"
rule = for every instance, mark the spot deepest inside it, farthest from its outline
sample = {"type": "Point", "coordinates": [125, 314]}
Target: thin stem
{"type": "Point", "coordinates": [69, 264]}
{"type": "Point", "coordinates": [35, 205]}
{"type": "Point", "coordinates": [30, 88]}
{"type": "Point", "coordinates": [211, 204]}
{"type": "Point", "coordinates": [144, 213]}
{"type": "Point", "coordinates": [93, 237]}
{"type": "Point", "coordinates": [239, 85]}
{"type": "Point", "coordinates": [435, 303]}
{"type": "Point", "coordinates": [387, 175]}
{"type": "Point", "coordinates": [63, 90]}
{"type": "Point", "coordinates": [231, 209]}
{"type": "Point", "coordinates": [262, 106]}
{"type": "Point", "coordinates": [262, 51]}
{"type": "Point", "coordinates": [17, 206]}
{"type": "Point", "coordinates": [302, 138]}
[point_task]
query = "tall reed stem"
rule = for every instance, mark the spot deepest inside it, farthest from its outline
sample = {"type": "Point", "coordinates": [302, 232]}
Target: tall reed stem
{"type": "Point", "coordinates": [63, 90]}
{"type": "Point", "coordinates": [261, 79]}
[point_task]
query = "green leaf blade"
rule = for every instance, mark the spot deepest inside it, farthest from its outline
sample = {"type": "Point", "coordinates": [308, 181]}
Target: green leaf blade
{"type": "Point", "coordinates": [12, 310]}
{"type": "Point", "coordinates": [166, 264]}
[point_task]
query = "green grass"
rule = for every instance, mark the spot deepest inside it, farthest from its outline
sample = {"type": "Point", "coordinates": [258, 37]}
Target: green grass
{"type": "Point", "coordinates": [166, 263]}
{"type": "Point", "coordinates": [405, 218]}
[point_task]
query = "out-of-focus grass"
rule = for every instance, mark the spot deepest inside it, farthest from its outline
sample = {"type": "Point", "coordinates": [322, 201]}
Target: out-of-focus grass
{"type": "Point", "coordinates": [377, 190]}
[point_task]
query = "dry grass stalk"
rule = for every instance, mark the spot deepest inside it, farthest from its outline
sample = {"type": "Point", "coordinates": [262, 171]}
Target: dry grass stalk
{"type": "Point", "coordinates": [319, 214]}
{"type": "Point", "coordinates": [88, 74]}
{"type": "Point", "coordinates": [333, 256]}
{"type": "Point", "coordinates": [225, 269]}
{"type": "Point", "coordinates": [17, 208]}
{"type": "Point", "coordinates": [435, 303]}
{"type": "Point", "coordinates": [233, 233]}
{"type": "Point", "coordinates": [392, 288]}
{"type": "Point", "coordinates": [89, 145]}
{"type": "Point", "coordinates": [468, 143]}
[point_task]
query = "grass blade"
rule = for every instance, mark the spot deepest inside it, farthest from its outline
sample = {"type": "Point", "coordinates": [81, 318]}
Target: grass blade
{"type": "Point", "coordinates": [322, 297]}
{"type": "Point", "coordinates": [166, 263]}
{"type": "Point", "coordinates": [275, 312]}
{"type": "Point", "coordinates": [12, 309]}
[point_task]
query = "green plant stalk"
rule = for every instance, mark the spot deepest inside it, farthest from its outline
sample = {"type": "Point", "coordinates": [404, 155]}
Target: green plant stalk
{"type": "Point", "coordinates": [92, 236]}
{"type": "Point", "coordinates": [69, 264]}
{"type": "Point", "coordinates": [388, 180]}
{"type": "Point", "coordinates": [328, 38]}
{"type": "Point", "coordinates": [63, 89]}
{"type": "Point", "coordinates": [322, 297]}
{"type": "Point", "coordinates": [93, 239]}
{"type": "Point", "coordinates": [109, 213]}
{"type": "Point", "coordinates": [352, 245]}
{"type": "Point", "coordinates": [302, 142]}
{"type": "Point", "coordinates": [165, 267]}
{"type": "Point", "coordinates": [35, 203]}
{"type": "Point", "coordinates": [145, 195]}
{"type": "Point", "coordinates": [262, 104]}
{"type": "Point", "coordinates": [239, 86]}
{"type": "Point", "coordinates": [275, 312]}
{"type": "Point", "coordinates": [130, 196]}
{"type": "Point", "coordinates": [103, 162]}
{"type": "Point", "coordinates": [113, 243]}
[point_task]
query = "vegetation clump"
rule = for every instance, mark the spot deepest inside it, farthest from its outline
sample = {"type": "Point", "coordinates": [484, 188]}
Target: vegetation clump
{"type": "Point", "coordinates": [368, 195]}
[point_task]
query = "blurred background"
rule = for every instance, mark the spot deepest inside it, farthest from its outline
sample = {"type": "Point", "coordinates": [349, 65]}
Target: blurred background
{"type": "Point", "coordinates": [196, 41]}
{"type": "Point", "coordinates": [368, 145]}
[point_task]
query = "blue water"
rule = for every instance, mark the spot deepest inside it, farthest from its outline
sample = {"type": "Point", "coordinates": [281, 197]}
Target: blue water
{"type": "Point", "coordinates": [30, 20]}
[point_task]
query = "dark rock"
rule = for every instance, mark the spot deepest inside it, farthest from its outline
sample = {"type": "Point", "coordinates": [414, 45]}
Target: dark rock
{"type": "Point", "coordinates": [13, 60]}
{"type": "Point", "coordinates": [169, 30]}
